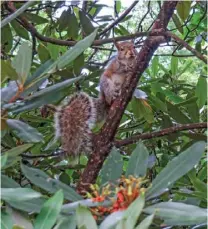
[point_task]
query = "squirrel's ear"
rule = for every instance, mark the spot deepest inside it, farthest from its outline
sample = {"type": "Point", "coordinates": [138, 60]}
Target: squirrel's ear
{"type": "Point", "coordinates": [116, 44]}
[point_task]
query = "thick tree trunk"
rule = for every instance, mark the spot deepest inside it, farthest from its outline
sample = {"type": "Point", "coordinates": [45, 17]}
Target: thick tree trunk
{"type": "Point", "coordinates": [103, 142]}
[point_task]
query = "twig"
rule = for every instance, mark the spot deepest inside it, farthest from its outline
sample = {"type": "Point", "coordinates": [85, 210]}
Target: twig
{"type": "Point", "coordinates": [53, 154]}
{"type": "Point", "coordinates": [160, 133]}
{"type": "Point", "coordinates": [123, 15]}
{"type": "Point", "coordinates": [187, 46]}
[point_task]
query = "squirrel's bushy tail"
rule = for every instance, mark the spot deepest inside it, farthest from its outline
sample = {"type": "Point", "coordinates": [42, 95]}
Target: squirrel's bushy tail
{"type": "Point", "coordinates": [74, 122]}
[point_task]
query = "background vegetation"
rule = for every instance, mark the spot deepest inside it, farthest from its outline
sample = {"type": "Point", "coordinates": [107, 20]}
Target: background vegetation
{"type": "Point", "coordinates": [51, 49]}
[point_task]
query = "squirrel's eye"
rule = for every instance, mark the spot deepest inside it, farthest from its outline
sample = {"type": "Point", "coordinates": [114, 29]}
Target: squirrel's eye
{"type": "Point", "coordinates": [121, 48]}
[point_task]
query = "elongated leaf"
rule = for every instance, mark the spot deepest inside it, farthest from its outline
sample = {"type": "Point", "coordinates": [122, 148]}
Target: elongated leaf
{"type": "Point", "coordinates": [15, 152]}
{"type": "Point", "coordinates": [24, 131]}
{"type": "Point", "coordinates": [177, 114]}
{"type": "Point", "coordinates": [49, 212]}
{"type": "Point", "coordinates": [111, 220]}
{"type": "Point", "coordinates": [4, 160]}
{"type": "Point", "coordinates": [22, 62]}
{"type": "Point", "coordinates": [45, 182]}
{"type": "Point", "coordinates": [85, 218]}
{"type": "Point", "coordinates": [46, 96]}
{"type": "Point", "coordinates": [6, 220]}
{"type": "Point", "coordinates": [174, 65]}
{"type": "Point", "coordinates": [68, 222]}
{"type": "Point", "coordinates": [183, 9]}
{"type": "Point", "coordinates": [67, 208]}
{"type": "Point", "coordinates": [133, 212]}
{"type": "Point", "coordinates": [43, 53]}
{"type": "Point", "coordinates": [177, 23]}
{"type": "Point", "coordinates": [138, 161]}
{"type": "Point", "coordinates": [73, 26]}
{"type": "Point", "coordinates": [33, 205]}
{"type": "Point", "coordinates": [201, 91]}
{"type": "Point", "coordinates": [175, 213]}
{"type": "Point", "coordinates": [146, 222]}
{"type": "Point", "coordinates": [7, 71]}
{"type": "Point", "coordinates": [86, 23]}
{"type": "Point", "coordinates": [176, 168]}
{"type": "Point", "coordinates": [112, 168]}
{"type": "Point", "coordinates": [7, 39]}
{"type": "Point", "coordinates": [20, 221]}
{"type": "Point", "coordinates": [66, 58]}
{"type": "Point", "coordinates": [7, 182]}
{"type": "Point", "coordinates": [18, 194]}
{"type": "Point", "coordinates": [20, 30]}
{"type": "Point", "coordinates": [35, 18]}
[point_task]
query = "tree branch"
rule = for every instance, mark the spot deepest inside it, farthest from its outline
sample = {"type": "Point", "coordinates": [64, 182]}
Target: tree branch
{"type": "Point", "coordinates": [160, 133]}
{"type": "Point", "coordinates": [187, 46]}
{"type": "Point", "coordinates": [104, 140]}
{"type": "Point", "coordinates": [28, 26]}
{"type": "Point", "coordinates": [123, 15]}
{"type": "Point", "coordinates": [16, 13]}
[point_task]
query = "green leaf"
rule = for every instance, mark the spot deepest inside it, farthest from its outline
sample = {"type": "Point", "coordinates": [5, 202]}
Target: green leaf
{"type": "Point", "coordinates": [183, 9]}
{"type": "Point", "coordinates": [7, 71]}
{"type": "Point", "coordinates": [34, 18]}
{"type": "Point", "coordinates": [146, 222]}
{"type": "Point", "coordinates": [138, 161]}
{"type": "Point", "coordinates": [177, 114]}
{"type": "Point", "coordinates": [33, 205]}
{"type": "Point", "coordinates": [78, 64]}
{"type": "Point", "coordinates": [7, 182]}
{"type": "Point", "coordinates": [159, 105]}
{"type": "Point", "coordinates": [49, 184]}
{"type": "Point", "coordinates": [24, 131]}
{"type": "Point", "coordinates": [176, 168]}
{"type": "Point", "coordinates": [43, 53]}
{"type": "Point", "coordinates": [197, 183]}
{"type": "Point", "coordinates": [18, 194]}
{"type": "Point", "coordinates": [14, 153]}
{"type": "Point", "coordinates": [86, 23]}
{"type": "Point", "coordinates": [142, 109]}
{"type": "Point", "coordinates": [111, 220]}
{"type": "Point", "coordinates": [177, 23]}
{"type": "Point", "coordinates": [67, 208]}
{"type": "Point", "coordinates": [85, 219]}
{"type": "Point", "coordinates": [68, 222]}
{"type": "Point", "coordinates": [22, 61]}
{"type": "Point", "coordinates": [175, 213]}
{"type": "Point", "coordinates": [155, 66]}
{"type": "Point", "coordinates": [65, 59]}
{"type": "Point", "coordinates": [133, 212]}
{"type": "Point", "coordinates": [20, 30]}
{"type": "Point", "coordinates": [118, 6]}
{"type": "Point", "coordinates": [49, 212]}
{"type": "Point", "coordinates": [6, 38]}
{"type": "Point", "coordinates": [73, 26]}
{"type": "Point", "coordinates": [201, 91]}
{"type": "Point", "coordinates": [46, 96]}
{"type": "Point", "coordinates": [174, 65]}
{"type": "Point", "coordinates": [64, 19]}
{"type": "Point", "coordinates": [112, 169]}
{"type": "Point", "coordinates": [6, 220]}
{"type": "Point", "coordinates": [3, 160]}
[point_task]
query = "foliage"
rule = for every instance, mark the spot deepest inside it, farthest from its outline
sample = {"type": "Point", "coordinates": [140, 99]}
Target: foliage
{"type": "Point", "coordinates": [154, 182]}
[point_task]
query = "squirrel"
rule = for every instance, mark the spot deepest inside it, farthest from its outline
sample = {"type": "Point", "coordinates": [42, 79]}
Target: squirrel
{"type": "Point", "coordinates": [75, 120]}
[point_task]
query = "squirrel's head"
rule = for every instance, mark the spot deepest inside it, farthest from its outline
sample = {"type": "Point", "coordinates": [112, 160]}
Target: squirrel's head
{"type": "Point", "coordinates": [126, 50]}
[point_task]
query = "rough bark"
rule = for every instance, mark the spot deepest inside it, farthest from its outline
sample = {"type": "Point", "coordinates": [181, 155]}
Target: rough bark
{"type": "Point", "coordinates": [103, 142]}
